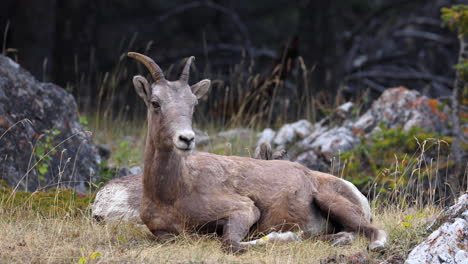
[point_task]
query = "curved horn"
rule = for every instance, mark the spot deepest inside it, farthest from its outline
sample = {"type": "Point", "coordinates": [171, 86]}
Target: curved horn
{"type": "Point", "coordinates": [153, 68]}
{"type": "Point", "coordinates": [184, 76]}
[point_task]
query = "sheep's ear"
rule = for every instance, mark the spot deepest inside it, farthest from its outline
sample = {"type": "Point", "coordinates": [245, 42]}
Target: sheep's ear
{"type": "Point", "coordinates": [201, 88]}
{"type": "Point", "coordinates": [143, 88]}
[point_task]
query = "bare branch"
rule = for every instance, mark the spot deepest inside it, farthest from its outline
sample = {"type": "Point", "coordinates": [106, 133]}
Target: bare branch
{"type": "Point", "coordinates": [423, 35]}
{"type": "Point", "coordinates": [377, 60]}
{"type": "Point", "coordinates": [373, 85]}
{"type": "Point", "coordinates": [425, 21]}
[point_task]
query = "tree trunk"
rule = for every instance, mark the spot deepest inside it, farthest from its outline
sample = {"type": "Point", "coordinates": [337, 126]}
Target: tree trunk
{"type": "Point", "coordinates": [455, 179]}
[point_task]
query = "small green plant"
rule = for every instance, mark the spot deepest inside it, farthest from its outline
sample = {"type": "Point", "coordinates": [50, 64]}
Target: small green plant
{"type": "Point", "coordinates": [125, 154]}
{"type": "Point", "coordinates": [84, 122]}
{"type": "Point", "coordinates": [44, 151]}
{"type": "Point", "coordinates": [456, 19]}
{"type": "Point", "coordinates": [84, 259]}
{"type": "Point", "coordinates": [106, 173]}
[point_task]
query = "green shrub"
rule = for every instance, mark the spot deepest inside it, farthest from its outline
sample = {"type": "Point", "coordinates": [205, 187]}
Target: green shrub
{"type": "Point", "coordinates": [391, 159]}
{"type": "Point", "coordinates": [44, 150]}
{"type": "Point", "coordinates": [126, 154]}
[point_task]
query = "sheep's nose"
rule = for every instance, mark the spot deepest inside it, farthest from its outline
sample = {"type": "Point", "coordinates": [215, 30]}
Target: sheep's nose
{"type": "Point", "coordinates": [188, 138]}
{"type": "Point", "coordinates": [185, 140]}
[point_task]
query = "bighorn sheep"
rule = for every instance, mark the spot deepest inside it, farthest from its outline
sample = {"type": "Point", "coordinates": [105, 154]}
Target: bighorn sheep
{"type": "Point", "coordinates": [119, 200]}
{"type": "Point", "coordinates": [184, 190]}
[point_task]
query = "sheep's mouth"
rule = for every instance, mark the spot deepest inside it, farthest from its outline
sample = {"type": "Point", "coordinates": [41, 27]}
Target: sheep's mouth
{"type": "Point", "coordinates": [185, 150]}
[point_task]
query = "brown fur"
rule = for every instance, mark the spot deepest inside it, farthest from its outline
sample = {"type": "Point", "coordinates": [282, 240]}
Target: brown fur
{"type": "Point", "coordinates": [184, 190]}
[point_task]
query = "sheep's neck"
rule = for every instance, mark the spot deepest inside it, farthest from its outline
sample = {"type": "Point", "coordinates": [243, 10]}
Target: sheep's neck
{"type": "Point", "coordinates": [163, 168]}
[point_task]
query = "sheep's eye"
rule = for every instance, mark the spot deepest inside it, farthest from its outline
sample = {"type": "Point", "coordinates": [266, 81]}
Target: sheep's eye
{"type": "Point", "coordinates": [155, 105]}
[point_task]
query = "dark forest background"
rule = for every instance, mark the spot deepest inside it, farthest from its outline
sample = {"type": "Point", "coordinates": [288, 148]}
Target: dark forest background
{"type": "Point", "coordinates": [324, 48]}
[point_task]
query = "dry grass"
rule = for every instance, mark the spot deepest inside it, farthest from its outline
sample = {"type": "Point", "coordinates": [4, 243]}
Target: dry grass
{"type": "Point", "coordinates": [29, 237]}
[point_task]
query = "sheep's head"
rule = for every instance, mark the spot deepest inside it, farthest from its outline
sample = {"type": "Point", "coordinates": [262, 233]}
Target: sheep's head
{"type": "Point", "coordinates": [170, 103]}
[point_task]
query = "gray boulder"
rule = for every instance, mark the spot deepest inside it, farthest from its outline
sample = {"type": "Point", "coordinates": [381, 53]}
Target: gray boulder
{"type": "Point", "coordinates": [401, 107]}
{"type": "Point", "coordinates": [292, 132]}
{"type": "Point", "coordinates": [334, 141]}
{"type": "Point", "coordinates": [42, 143]}
{"type": "Point", "coordinates": [267, 136]}
{"type": "Point", "coordinates": [449, 242]}
{"type": "Point", "coordinates": [315, 145]}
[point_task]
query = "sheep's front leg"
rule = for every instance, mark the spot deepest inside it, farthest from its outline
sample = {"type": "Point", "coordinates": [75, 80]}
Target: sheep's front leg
{"type": "Point", "coordinates": [164, 227]}
{"type": "Point", "coordinates": [237, 227]}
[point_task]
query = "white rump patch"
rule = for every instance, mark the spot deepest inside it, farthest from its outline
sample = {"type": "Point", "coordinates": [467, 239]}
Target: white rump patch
{"type": "Point", "coordinates": [362, 199]}
{"type": "Point", "coordinates": [112, 204]}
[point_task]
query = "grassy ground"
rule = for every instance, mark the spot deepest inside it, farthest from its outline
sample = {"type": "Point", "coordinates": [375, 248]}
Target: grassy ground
{"type": "Point", "coordinates": [62, 230]}
{"type": "Point", "coordinates": [28, 236]}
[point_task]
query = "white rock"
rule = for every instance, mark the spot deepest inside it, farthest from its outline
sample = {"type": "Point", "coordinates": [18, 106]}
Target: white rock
{"type": "Point", "coordinates": [302, 128]}
{"type": "Point", "coordinates": [448, 243]}
{"type": "Point", "coordinates": [13, 63]}
{"type": "Point", "coordinates": [461, 257]}
{"type": "Point", "coordinates": [334, 141]}
{"type": "Point", "coordinates": [291, 132]}
{"type": "Point", "coordinates": [345, 109]}
{"type": "Point", "coordinates": [267, 136]}
{"type": "Point", "coordinates": [400, 107]}
{"type": "Point", "coordinates": [454, 211]}
{"type": "Point", "coordinates": [365, 123]}
{"type": "Point", "coordinates": [442, 245]}
{"type": "Point", "coordinates": [306, 143]}
{"type": "Point", "coordinates": [285, 135]}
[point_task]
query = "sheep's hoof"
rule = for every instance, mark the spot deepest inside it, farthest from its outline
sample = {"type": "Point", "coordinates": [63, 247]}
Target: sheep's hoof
{"type": "Point", "coordinates": [233, 248]}
{"type": "Point", "coordinates": [377, 246]}
{"type": "Point", "coordinates": [342, 238]}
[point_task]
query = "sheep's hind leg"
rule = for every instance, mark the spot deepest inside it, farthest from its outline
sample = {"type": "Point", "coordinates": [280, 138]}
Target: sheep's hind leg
{"type": "Point", "coordinates": [237, 227]}
{"type": "Point", "coordinates": [351, 217]}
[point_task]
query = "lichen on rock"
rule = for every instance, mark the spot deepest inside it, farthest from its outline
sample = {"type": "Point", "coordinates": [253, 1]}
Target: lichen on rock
{"type": "Point", "coordinates": [396, 108]}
